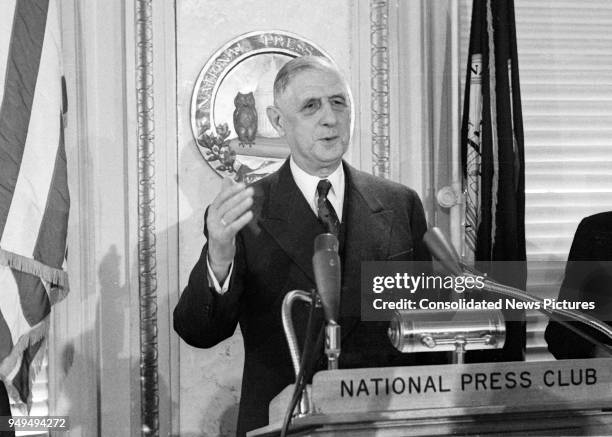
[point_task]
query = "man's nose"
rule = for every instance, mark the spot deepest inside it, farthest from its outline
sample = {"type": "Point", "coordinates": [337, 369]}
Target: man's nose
{"type": "Point", "coordinates": [328, 115]}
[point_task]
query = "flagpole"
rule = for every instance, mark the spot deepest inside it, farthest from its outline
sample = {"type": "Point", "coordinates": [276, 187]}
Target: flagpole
{"type": "Point", "coordinates": [456, 211]}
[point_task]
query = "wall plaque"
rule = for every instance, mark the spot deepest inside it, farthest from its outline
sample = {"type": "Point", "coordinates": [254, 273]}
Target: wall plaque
{"type": "Point", "coordinates": [228, 105]}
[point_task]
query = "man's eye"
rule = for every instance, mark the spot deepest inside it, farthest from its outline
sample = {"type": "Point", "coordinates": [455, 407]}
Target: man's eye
{"type": "Point", "coordinates": [339, 102]}
{"type": "Point", "coordinates": [311, 106]}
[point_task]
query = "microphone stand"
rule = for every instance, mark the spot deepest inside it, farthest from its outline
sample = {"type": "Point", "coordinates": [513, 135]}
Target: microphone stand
{"type": "Point", "coordinates": [505, 290]}
{"type": "Point", "coordinates": [332, 344]}
{"type": "Point", "coordinates": [304, 365]}
{"type": "Point", "coordinates": [326, 267]}
{"type": "Point", "coordinates": [292, 343]}
{"type": "Point", "coordinates": [444, 252]}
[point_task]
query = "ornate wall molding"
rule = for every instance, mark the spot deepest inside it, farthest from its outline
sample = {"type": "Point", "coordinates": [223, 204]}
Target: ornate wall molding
{"type": "Point", "coordinates": [379, 55]}
{"type": "Point", "coordinates": [147, 270]}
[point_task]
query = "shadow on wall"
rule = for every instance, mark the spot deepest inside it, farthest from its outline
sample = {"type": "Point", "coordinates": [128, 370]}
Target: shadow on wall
{"type": "Point", "coordinates": [210, 378]}
{"type": "Point", "coordinates": [113, 339]}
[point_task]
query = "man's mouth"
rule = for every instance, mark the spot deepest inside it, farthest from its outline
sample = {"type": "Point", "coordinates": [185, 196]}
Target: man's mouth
{"type": "Point", "coordinates": [329, 139]}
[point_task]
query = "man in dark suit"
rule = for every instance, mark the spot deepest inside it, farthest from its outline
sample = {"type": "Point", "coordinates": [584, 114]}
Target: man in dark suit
{"type": "Point", "coordinates": [260, 241]}
{"type": "Point", "coordinates": [588, 278]}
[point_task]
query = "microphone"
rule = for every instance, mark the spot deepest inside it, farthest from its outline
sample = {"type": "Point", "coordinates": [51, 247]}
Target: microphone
{"type": "Point", "coordinates": [444, 252]}
{"type": "Point", "coordinates": [326, 266]}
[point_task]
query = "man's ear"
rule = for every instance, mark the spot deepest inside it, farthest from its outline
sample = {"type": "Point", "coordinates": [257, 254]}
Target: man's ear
{"type": "Point", "coordinates": [276, 119]}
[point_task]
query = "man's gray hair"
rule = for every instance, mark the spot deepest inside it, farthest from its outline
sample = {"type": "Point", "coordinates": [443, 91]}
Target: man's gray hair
{"type": "Point", "coordinates": [295, 66]}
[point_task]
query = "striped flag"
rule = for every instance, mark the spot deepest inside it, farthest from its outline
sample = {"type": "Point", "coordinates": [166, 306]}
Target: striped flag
{"type": "Point", "coordinates": [493, 151]}
{"type": "Point", "coordinates": [34, 197]}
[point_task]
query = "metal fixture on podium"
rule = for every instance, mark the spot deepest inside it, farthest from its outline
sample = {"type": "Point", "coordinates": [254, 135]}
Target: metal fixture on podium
{"type": "Point", "coordinates": [292, 343]}
{"type": "Point", "coordinates": [447, 330]}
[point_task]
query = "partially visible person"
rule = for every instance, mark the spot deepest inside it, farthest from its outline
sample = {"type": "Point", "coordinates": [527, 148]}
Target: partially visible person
{"type": "Point", "coordinates": [5, 410]}
{"type": "Point", "coordinates": [588, 278]}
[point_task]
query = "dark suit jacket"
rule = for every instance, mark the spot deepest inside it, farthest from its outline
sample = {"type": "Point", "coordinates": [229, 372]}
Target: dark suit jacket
{"type": "Point", "coordinates": [588, 277]}
{"type": "Point", "coordinates": [383, 221]}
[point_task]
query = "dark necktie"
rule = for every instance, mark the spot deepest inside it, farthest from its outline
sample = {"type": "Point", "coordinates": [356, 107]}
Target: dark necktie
{"type": "Point", "coordinates": [327, 215]}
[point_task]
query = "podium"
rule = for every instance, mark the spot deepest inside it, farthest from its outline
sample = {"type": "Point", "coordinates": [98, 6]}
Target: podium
{"type": "Point", "coordinates": [568, 397]}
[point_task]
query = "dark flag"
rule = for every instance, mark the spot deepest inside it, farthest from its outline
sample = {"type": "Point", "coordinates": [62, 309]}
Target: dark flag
{"type": "Point", "coordinates": [34, 197]}
{"type": "Point", "coordinates": [493, 156]}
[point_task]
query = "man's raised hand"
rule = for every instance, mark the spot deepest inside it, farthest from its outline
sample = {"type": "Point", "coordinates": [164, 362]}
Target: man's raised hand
{"type": "Point", "coordinates": [229, 212]}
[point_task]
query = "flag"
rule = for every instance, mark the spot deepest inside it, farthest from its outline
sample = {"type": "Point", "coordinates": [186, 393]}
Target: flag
{"type": "Point", "coordinates": [493, 150]}
{"type": "Point", "coordinates": [34, 197]}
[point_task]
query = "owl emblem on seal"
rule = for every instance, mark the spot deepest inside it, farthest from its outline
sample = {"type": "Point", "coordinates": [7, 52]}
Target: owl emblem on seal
{"type": "Point", "coordinates": [245, 118]}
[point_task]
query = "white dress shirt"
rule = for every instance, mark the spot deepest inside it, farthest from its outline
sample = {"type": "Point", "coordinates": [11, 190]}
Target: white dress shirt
{"type": "Point", "coordinates": [307, 184]}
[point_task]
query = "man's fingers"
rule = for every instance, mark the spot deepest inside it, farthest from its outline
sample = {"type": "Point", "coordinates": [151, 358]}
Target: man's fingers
{"type": "Point", "coordinates": [228, 189]}
{"type": "Point", "coordinates": [236, 211]}
{"type": "Point", "coordinates": [240, 222]}
{"type": "Point", "coordinates": [232, 203]}
{"type": "Point", "coordinates": [235, 200]}
{"type": "Point", "coordinates": [236, 205]}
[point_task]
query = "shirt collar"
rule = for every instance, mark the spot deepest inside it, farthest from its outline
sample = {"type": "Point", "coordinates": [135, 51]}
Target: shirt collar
{"type": "Point", "coordinates": [307, 184]}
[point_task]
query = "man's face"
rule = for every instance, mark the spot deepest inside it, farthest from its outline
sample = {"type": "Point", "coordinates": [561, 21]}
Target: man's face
{"type": "Point", "coordinates": [314, 115]}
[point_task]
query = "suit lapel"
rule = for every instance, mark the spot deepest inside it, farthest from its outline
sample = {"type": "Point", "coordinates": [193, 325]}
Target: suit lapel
{"type": "Point", "coordinates": [291, 222]}
{"type": "Point", "coordinates": [368, 229]}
